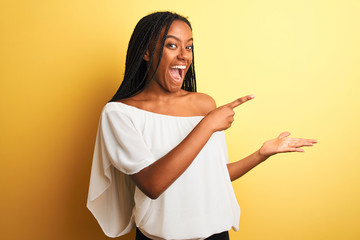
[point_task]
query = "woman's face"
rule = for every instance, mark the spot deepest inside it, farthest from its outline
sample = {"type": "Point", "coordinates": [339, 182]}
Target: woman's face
{"type": "Point", "coordinates": [176, 57]}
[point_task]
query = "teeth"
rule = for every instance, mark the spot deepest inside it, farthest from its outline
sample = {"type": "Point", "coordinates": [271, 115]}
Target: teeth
{"type": "Point", "coordinates": [179, 67]}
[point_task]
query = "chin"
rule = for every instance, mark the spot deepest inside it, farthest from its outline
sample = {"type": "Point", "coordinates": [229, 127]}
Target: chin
{"type": "Point", "coordinates": [174, 89]}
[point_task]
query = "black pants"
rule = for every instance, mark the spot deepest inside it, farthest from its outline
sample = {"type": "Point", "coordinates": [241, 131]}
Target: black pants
{"type": "Point", "coordinates": [218, 236]}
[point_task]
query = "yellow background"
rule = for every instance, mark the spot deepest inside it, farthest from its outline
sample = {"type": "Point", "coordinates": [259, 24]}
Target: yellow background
{"type": "Point", "coordinates": [62, 60]}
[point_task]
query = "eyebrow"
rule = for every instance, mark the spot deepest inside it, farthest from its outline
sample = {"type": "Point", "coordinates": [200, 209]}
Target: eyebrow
{"type": "Point", "coordinates": [172, 36]}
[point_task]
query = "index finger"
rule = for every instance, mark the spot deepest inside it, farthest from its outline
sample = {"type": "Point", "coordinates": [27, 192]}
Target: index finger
{"type": "Point", "coordinates": [240, 101]}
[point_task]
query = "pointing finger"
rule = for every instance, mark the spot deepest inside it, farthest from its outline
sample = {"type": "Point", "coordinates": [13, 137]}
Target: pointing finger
{"type": "Point", "coordinates": [240, 101]}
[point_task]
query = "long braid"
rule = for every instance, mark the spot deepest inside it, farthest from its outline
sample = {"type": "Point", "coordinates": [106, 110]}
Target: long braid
{"type": "Point", "coordinates": [136, 69]}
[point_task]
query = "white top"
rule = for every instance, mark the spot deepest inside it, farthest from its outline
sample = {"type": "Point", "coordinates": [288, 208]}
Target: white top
{"type": "Point", "coordinates": [201, 202]}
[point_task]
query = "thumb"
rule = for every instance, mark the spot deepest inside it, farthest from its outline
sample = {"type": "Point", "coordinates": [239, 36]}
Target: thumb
{"type": "Point", "coordinates": [284, 134]}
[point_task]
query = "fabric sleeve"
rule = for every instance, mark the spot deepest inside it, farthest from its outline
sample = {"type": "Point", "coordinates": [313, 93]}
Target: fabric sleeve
{"type": "Point", "coordinates": [123, 144]}
{"type": "Point", "coordinates": [223, 147]}
{"type": "Point", "coordinates": [119, 151]}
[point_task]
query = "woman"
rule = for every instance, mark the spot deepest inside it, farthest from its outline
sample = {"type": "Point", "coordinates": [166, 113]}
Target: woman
{"type": "Point", "coordinates": [160, 161]}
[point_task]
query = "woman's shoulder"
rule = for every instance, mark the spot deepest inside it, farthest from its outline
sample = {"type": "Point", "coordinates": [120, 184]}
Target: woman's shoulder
{"type": "Point", "coordinates": [115, 107]}
{"type": "Point", "coordinates": [203, 102]}
{"type": "Point", "coordinates": [195, 103]}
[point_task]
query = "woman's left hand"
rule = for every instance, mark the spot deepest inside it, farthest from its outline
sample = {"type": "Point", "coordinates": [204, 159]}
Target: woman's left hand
{"type": "Point", "coordinates": [284, 143]}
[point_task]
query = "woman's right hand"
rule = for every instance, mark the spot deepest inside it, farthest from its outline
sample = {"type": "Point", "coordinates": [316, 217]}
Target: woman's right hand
{"type": "Point", "coordinates": [222, 117]}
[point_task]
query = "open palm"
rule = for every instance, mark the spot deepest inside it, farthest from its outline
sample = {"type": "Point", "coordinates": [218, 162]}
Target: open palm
{"type": "Point", "coordinates": [284, 143]}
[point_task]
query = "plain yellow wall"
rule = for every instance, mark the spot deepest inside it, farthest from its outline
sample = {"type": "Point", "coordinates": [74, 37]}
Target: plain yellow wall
{"type": "Point", "coordinates": [61, 61]}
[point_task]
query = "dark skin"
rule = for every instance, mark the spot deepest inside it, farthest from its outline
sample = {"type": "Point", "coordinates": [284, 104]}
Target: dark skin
{"type": "Point", "coordinates": [165, 96]}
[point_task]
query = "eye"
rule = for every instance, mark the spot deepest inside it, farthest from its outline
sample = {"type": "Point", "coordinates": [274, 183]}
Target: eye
{"type": "Point", "coordinates": [171, 45]}
{"type": "Point", "coordinates": [189, 47]}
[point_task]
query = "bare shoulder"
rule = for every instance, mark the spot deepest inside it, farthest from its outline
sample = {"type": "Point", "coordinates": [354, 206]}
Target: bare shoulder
{"type": "Point", "coordinates": [202, 102]}
{"type": "Point", "coordinates": [134, 101]}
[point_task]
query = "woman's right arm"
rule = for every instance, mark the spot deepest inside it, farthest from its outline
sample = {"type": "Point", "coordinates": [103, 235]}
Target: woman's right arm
{"type": "Point", "coordinates": [156, 178]}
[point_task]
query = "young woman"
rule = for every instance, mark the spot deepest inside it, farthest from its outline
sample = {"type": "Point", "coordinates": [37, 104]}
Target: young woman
{"type": "Point", "coordinates": [160, 162]}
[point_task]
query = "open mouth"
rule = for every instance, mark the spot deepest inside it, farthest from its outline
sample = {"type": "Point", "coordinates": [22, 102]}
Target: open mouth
{"type": "Point", "coordinates": [177, 72]}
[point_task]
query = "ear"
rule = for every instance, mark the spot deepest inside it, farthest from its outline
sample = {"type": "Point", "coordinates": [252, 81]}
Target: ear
{"type": "Point", "coordinates": [147, 56]}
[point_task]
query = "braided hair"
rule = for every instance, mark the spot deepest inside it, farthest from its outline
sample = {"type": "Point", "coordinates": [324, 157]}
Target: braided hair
{"type": "Point", "coordinates": [136, 69]}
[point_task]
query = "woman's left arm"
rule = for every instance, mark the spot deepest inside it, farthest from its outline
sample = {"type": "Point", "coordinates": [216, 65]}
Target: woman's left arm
{"type": "Point", "coordinates": [281, 144]}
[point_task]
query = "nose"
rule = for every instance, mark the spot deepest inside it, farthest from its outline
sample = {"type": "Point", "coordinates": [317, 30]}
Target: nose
{"type": "Point", "coordinates": [184, 54]}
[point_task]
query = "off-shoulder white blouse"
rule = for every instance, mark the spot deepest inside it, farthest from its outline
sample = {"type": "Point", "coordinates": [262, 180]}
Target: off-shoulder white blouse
{"type": "Point", "coordinates": [201, 202]}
